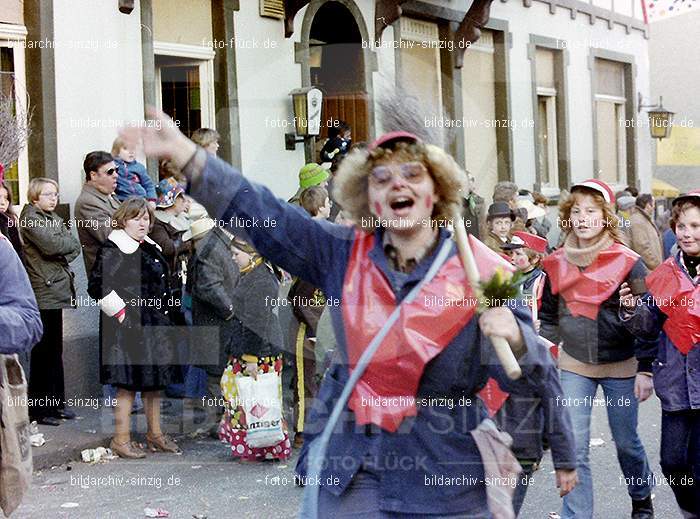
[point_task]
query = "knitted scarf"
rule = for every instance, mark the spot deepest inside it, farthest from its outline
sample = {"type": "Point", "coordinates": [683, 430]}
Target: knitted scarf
{"type": "Point", "coordinates": [584, 256]}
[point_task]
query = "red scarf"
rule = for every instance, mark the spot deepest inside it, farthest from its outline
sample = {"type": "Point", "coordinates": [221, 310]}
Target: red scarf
{"type": "Point", "coordinates": [678, 298]}
{"type": "Point", "coordinates": [584, 291]}
{"type": "Point", "coordinates": [385, 394]}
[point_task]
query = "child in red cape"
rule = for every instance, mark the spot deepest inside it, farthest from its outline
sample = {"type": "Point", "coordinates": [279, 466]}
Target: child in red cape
{"type": "Point", "coordinates": [580, 309]}
{"type": "Point", "coordinates": [671, 317]}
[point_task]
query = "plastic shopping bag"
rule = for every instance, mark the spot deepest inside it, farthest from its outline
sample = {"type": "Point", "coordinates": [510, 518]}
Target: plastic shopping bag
{"type": "Point", "coordinates": [260, 399]}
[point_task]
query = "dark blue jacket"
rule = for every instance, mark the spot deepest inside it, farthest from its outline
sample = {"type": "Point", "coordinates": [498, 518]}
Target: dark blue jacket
{"type": "Point", "coordinates": [533, 417]}
{"type": "Point", "coordinates": [437, 441]}
{"type": "Point", "coordinates": [676, 376]}
{"type": "Point", "coordinates": [594, 341]}
{"type": "Point", "coordinates": [20, 322]}
{"type": "Point", "coordinates": [669, 240]}
{"type": "Point", "coordinates": [133, 180]}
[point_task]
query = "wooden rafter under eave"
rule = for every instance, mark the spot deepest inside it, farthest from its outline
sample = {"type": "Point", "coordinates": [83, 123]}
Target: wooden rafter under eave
{"type": "Point", "coordinates": [291, 8]}
{"type": "Point", "coordinates": [386, 12]}
{"type": "Point", "coordinates": [469, 30]}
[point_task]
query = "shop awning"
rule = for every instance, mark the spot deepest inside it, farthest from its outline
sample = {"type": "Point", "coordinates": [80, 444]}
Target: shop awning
{"type": "Point", "coordinates": [662, 189]}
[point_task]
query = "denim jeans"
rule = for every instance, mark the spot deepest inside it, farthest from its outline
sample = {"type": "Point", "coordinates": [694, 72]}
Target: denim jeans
{"type": "Point", "coordinates": [579, 392]}
{"type": "Point", "coordinates": [680, 456]}
{"type": "Point", "coordinates": [521, 487]}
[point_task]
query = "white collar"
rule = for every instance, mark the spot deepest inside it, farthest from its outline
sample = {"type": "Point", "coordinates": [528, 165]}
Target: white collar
{"type": "Point", "coordinates": [126, 243]}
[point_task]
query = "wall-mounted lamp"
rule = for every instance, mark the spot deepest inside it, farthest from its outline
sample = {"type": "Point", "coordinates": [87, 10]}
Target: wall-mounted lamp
{"type": "Point", "coordinates": [660, 119]}
{"type": "Point", "coordinates": [315, 53]}
{"type": "Point", "coordinates": [307, 115]}
{"type": "Point", "coordinates": [126, 6]}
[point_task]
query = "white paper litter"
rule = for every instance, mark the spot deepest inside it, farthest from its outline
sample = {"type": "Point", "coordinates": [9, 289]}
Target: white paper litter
{"type": "Point", "coordinates": [37, 440]}
{"type": "Point", "coordinates": [97, 455]}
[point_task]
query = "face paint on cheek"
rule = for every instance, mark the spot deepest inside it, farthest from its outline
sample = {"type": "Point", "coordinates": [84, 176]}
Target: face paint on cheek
{"type": "Point", "coordinates": [378, 208]}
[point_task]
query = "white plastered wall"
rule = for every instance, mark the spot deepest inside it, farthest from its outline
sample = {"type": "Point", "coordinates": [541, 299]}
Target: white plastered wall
{"type": "Point", "coordinates": [99, 82]}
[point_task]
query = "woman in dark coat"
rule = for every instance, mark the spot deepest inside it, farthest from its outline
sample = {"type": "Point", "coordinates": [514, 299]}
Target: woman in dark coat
{"type": "Point", "coordinates": [255, 349]}
{"type": "Point", "coordinates": [131, 281]}
{"type": "Point", "coordinates": [49, 247]}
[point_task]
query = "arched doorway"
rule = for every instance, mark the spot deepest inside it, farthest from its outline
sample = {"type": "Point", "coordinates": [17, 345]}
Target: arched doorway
{"type": "Point", "coordinates": [337, 64]}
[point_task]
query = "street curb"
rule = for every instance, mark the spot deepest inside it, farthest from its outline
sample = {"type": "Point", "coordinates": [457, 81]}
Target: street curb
{"type": "Point", "coordinates": [66, 453]}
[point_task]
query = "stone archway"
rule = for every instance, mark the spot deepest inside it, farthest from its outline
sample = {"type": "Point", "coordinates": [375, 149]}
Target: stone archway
{"type": "Point", "coordinates": [339, 60]}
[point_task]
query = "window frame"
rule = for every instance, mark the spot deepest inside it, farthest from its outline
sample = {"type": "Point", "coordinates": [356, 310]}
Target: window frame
{"type": "Point", "coordinates": [552, 153]}
{"type": "Point", "coordinates": [628, 168]}
{"type": "Point", "coordinates": [14, 36]}
{"type": "Point", "coordinates": [190, 56]}
{"type": "Point", "coordinates": [560, 162]}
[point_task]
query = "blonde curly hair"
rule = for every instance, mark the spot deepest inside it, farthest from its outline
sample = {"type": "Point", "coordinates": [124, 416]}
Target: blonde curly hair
{"type": "Point", "coordinates": [350, 184]}
{"type": "Point", "coordinates": [610, 219]}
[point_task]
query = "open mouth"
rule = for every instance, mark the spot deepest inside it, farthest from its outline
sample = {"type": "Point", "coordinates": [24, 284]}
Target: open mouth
{"type": "Point", "coordinates": [401, 204]}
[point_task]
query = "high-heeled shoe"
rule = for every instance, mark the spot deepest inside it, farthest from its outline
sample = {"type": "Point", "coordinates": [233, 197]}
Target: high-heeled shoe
{"type": "Point", "coordinates": [162, 443]}
{"type": "Point", "coordinates": [128, 449]}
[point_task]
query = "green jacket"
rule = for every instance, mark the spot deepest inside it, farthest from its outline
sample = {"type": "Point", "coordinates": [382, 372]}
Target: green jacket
{"type": "Point", "coordinates": [49, 247]}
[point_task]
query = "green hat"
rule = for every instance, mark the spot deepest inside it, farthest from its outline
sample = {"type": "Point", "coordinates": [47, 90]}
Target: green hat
{"type": "Point", "coordinates": [312, 175]}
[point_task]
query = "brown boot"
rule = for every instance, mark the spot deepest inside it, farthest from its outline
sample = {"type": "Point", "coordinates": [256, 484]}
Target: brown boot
{"type": "Point", "coordinates": [298, 440]}
{"type": "Point", "coordinates": [162, 443]}
{"type": "Point", "coordinates": [128, 449]}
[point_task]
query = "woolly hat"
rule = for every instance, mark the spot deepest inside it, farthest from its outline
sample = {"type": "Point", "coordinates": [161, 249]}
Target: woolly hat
{"type": "Point", "coordinates": [386, 140]}
{"type": "Point", "coordinates": [626, 202]}
{"type": "Point", "coordinates": [312, 174]}
{"type": "Point", "coordinates": [168, 190]}
{"type": "Point", "coordinates": [599, 186]}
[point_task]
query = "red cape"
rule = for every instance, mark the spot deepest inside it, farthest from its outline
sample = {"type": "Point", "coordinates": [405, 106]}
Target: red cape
{"type": "Point", "coordinates": [584, 291]}
{"type": "Point", "coordinates": [677, 297]}
{"type": "Point", "coordinates": [385, 394]}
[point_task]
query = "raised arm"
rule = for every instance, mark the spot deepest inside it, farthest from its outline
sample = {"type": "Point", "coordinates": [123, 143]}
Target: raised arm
{"type": "Point", "coordinates": [282, 233]}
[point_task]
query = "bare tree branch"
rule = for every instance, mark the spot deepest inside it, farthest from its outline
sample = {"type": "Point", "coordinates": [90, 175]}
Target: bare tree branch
{"type": "Point", "coordinates": [14, 129]}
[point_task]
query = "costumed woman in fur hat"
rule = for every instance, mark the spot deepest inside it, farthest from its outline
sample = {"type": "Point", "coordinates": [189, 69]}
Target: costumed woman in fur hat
{"type": "Point", "coordinates": [672, 316]}
{"type": "Point", "coordinates": [406, 443]}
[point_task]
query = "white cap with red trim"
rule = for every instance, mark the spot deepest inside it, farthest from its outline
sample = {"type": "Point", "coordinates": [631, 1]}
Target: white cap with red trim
{"type": "Point", "coordinates": [690, 195]}
{"type": "Point", "coordinates": [597, 185]}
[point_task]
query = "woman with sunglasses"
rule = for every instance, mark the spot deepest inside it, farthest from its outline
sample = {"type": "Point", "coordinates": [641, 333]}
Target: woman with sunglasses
{"type": "Point", "coordinates": [405, 431]}
{"type": "Point", "coordinates": [49, 247]}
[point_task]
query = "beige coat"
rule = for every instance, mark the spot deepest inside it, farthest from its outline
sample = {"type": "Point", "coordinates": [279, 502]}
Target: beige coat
{"type": "Point", "coordinates": [493, 242]}
{"type": "Point", "coordinates": [645, 239]}
{"type": "Point", "coordinates": [93, 216]}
